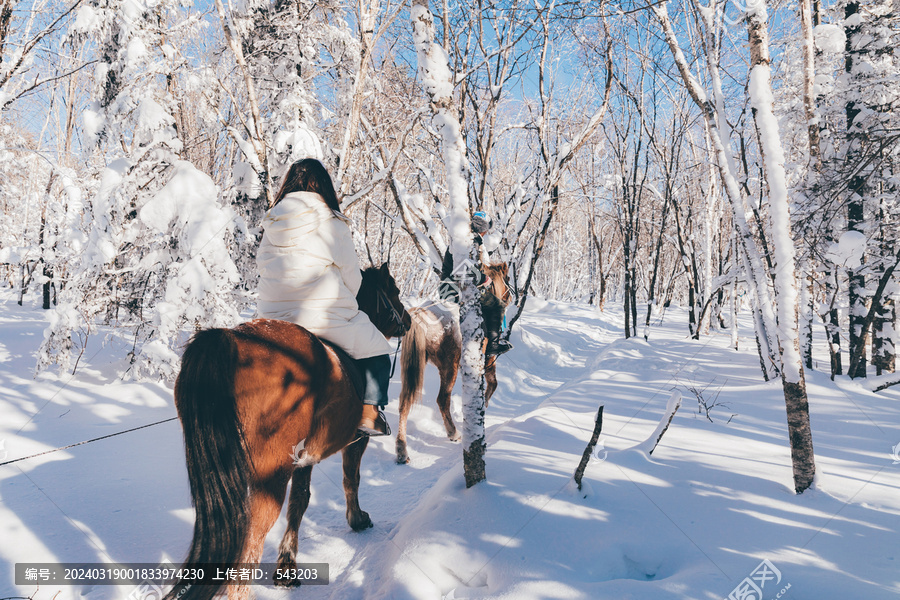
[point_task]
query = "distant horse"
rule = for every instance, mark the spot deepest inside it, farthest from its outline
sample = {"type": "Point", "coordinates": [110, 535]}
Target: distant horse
{"type": "Point", "coordinates": [435, 337]}
{"type": "Point", "coordinates": [261, 404]}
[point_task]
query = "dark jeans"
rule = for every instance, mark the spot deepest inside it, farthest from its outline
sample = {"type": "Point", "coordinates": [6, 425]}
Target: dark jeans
{"type": "Point", "coordinates": [376, 372]}
{"type": "Point", "coordinates": [491, 313]}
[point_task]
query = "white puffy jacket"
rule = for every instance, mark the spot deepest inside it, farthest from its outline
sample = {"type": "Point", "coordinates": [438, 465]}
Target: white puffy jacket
{"type": "Point", "coordinates": [309, 274]}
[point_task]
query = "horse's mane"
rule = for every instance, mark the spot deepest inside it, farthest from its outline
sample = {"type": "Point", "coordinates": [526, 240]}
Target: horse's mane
{"type": "Point", "coordinates": [377, 287]}
{"type": "Point", "coordinates": [500, 269]}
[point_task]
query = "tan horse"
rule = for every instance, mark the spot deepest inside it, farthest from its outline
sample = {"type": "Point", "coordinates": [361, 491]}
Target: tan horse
{"type": "Point", "coordinates": [434, 337]}
{"type": "Point", "coordinates": [260, 405]}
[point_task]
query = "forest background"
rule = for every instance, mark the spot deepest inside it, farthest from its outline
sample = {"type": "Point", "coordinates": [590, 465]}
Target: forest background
{"type": "Point", "coordinates": [722, 157]}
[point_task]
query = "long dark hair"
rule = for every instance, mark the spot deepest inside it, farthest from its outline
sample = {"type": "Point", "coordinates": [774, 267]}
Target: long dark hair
{"type": "Point", "coordinates": [309, 175]}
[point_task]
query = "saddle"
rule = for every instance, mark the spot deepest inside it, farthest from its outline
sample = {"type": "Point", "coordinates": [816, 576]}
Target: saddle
{"type": "Point", "coordinates": [348, 364]}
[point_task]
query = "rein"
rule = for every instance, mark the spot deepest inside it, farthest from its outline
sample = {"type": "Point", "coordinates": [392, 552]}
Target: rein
{"type": "Point", "coordinates": [9, 462]}
{"type": "Point", "coordinates": [396, 317]}
{"type": "Point", "coordinates": [396, 352]}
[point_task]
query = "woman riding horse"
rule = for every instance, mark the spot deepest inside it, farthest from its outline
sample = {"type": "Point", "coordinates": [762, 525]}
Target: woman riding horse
{"type": "Point", "coordinates": [261, 404]}
{"type": "Point", "coordinates": [309, 275]}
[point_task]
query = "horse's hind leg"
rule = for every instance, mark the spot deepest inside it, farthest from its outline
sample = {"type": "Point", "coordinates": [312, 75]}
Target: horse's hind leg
{"type": "Point", "coordinates": [406, 403]}
{"type": "Point", "coordinates": [297, 505]}
{"type": "Point", "coordinates": [352, 457]}
{"type": "Point", "coordinates": [490, 377]}
{"type": "Point", "coordinates": [448, 378]}
{"type": "Point", "coordinates": [266, 498]}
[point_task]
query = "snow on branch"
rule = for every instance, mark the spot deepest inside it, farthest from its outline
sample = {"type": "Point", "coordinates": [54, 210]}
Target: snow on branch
{"type": "Point", "coordinates": [672, 406]}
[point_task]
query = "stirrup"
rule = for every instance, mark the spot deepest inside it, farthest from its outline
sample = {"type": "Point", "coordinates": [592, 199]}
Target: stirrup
{"type": "Point", "coordinates": [501, 347]}
{"type": "Point", "coordinates": [375, 432]}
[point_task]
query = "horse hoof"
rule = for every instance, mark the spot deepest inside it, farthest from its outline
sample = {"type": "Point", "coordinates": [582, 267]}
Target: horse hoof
{"type": "Point", "coordinates": [361, 522]}
{"type": "Point", "coordinates": [455, 437]}
{"type": "Point", "coordinates": [402, 452]}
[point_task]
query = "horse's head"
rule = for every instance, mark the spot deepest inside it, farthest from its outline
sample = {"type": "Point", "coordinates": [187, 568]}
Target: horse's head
{"type": "Point", "coordinates": [379, 297]}
{"type": "Point", "coordinates": [498, 273]}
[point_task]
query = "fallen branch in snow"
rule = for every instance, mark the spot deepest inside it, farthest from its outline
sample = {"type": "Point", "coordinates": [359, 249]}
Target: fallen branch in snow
{"type": "Point", "coordinates": [589, 449]}
{"type": "Point", "coordinates": [672, 406]}
{"type": "Point", "coordinates": [882, 382]}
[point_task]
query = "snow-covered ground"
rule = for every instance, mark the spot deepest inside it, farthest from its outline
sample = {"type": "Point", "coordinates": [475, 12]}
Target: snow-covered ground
{"type": "Point", "coordinates": [692, 521]}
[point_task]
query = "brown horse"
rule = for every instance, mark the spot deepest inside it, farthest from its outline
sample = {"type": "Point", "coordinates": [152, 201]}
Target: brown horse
{"type": "Point", "coordinates": [435, 337]}
{"type": "Point", "coordinates": [260, 405]}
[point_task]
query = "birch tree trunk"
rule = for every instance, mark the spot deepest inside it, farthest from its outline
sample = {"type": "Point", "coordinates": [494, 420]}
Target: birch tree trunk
{"type": "Point", "coordinates": [437, 79]}
{"type": "Point", "coordinates": [883, 326]}
{"type": "Point", "coordinates": [786, 289]}
{"type": "Point", "coordinates": [734, 298]}
{"type": "Point", "coordinates": [807, 310]}
{"type": "Point", "coordinates": [856, 210]}
{"type": "Point", "coordinates": [812, 126]}
{"type": "Point", "coordinates": [809, 76]}
{"type": "Point", "coordinates": [42, 236]}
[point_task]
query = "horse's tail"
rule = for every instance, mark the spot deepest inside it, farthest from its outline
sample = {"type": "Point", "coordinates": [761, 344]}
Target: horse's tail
{"type": "Point", "coordinates": [219, 467]}
{"type": "Point", "coordinates": [412, 358]}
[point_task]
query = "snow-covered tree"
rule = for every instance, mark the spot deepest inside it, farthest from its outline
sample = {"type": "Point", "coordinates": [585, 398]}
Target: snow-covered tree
{"type": "Point", "coordinates": [437, 79]}
{"type": "Point", "coordinates": [156, 257]}
{"type": "Point", "coordinates": [786, 284]}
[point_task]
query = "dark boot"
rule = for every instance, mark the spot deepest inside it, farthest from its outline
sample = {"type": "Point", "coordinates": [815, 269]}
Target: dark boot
{"type": "Point", "coordinates": [496, 346]}
{"type": "Point", "coordinates": [376, 372]}
{"type": "Point", "coordinates": [373, 422]}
